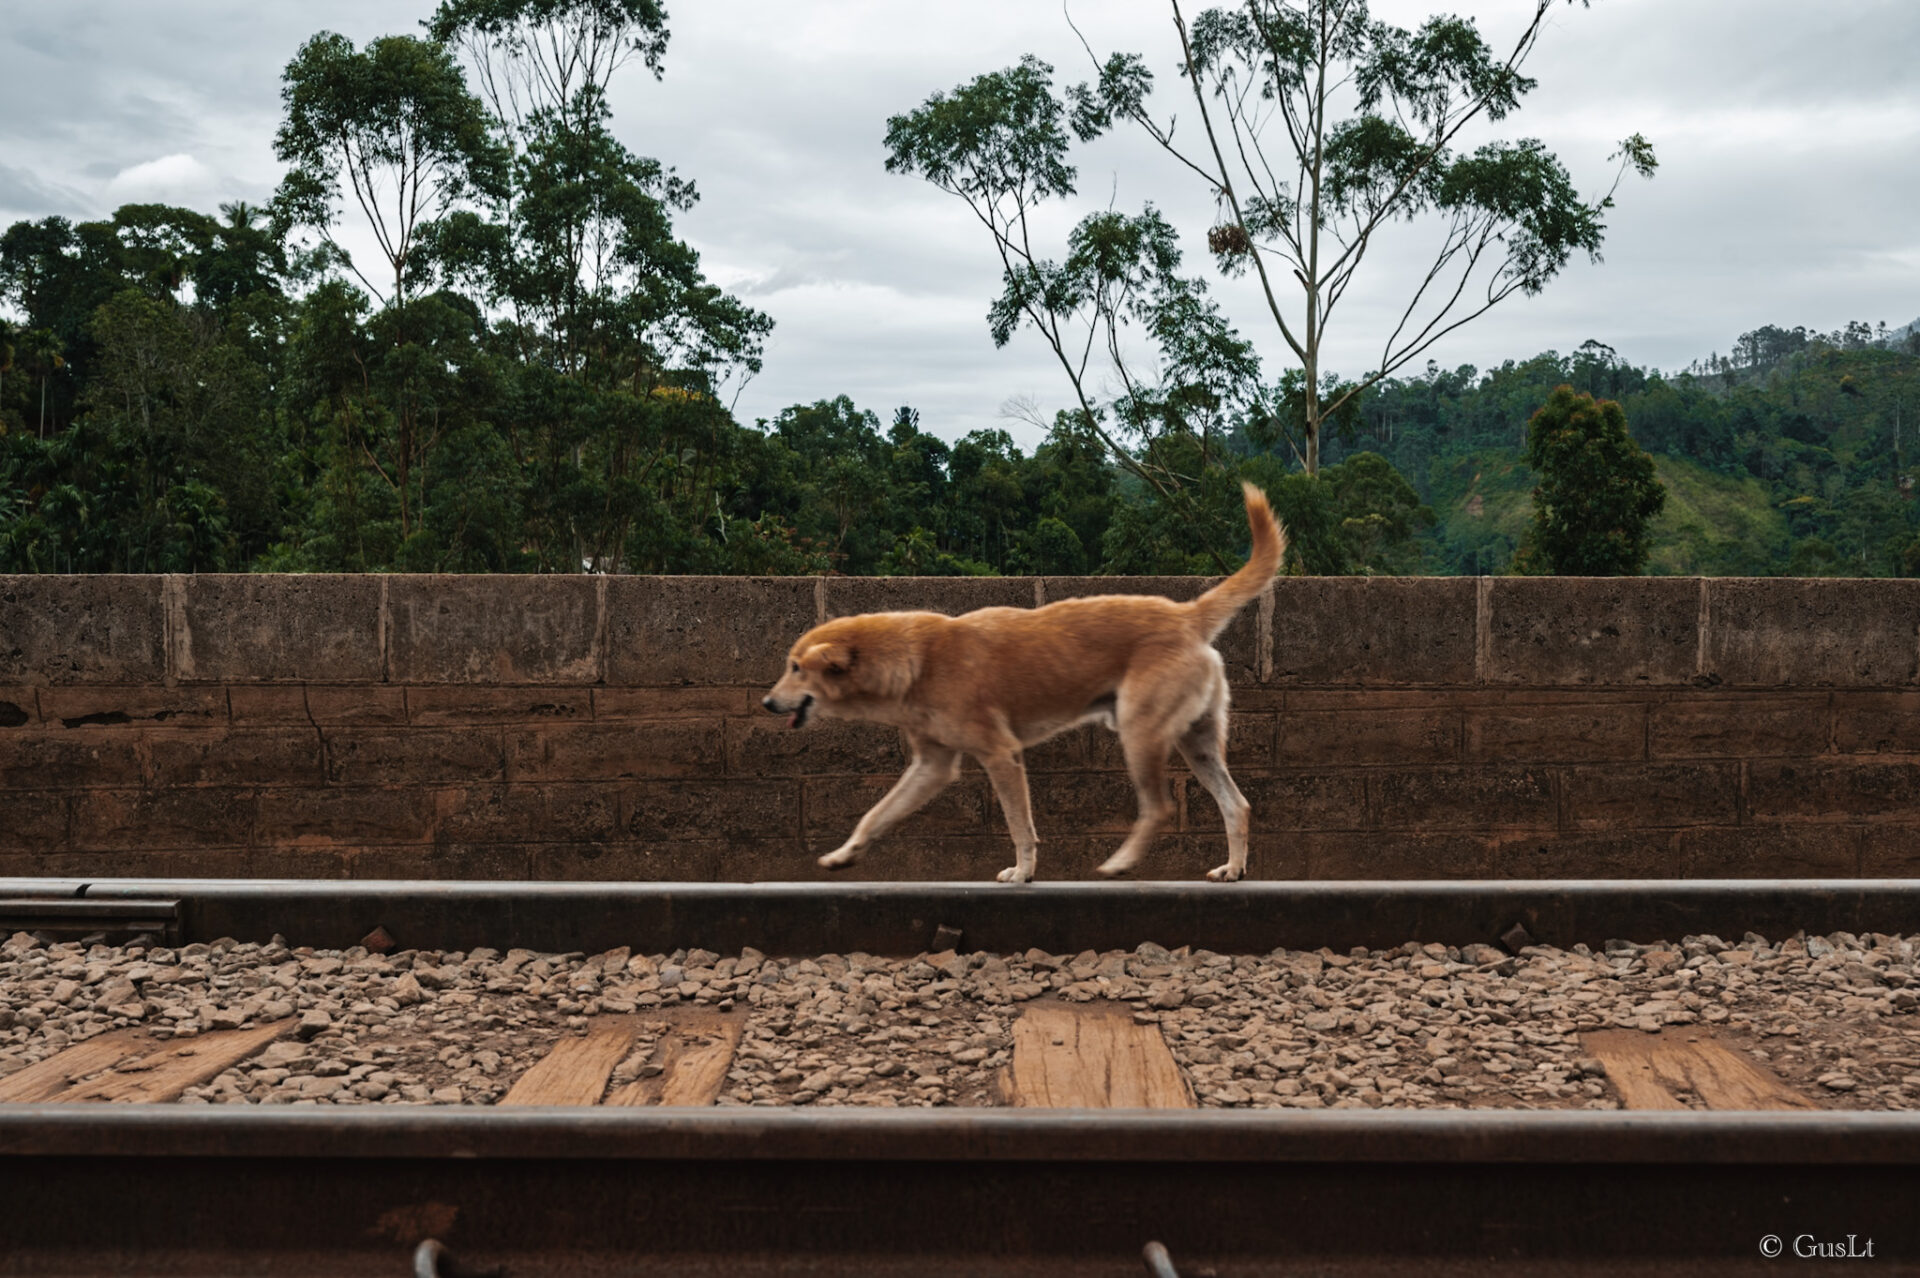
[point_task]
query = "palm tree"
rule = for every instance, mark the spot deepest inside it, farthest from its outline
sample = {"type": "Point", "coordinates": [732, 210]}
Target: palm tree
{"type": "Point", "coordinates": [43, 353]}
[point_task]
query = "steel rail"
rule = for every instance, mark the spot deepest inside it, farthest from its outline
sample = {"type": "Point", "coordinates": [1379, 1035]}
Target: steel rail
{"type": "Point", "coordinates": [902, 918]}
{"type": "Point", "coordinates": [749, 1135]}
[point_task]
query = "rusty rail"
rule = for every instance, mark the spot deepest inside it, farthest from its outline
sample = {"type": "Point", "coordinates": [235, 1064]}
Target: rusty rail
{"type": "Point", "coordinates": [902, 918]}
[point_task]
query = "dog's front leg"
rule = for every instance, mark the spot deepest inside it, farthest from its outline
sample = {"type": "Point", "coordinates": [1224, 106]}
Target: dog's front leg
{"type": "Point", "coordinates": [1008, 772]}
{"type": "Point", "coordinates": [934, 766]}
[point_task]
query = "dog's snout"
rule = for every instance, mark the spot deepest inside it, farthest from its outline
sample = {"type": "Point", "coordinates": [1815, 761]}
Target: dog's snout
{"type": "Point", "coordinates": [766, 703]}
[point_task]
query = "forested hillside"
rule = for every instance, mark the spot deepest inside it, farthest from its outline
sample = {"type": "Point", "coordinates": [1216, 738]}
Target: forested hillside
{"type": "Point", "coordinates": [1796, 455]}
{"type": "Point", "coordinates": [533, 374]}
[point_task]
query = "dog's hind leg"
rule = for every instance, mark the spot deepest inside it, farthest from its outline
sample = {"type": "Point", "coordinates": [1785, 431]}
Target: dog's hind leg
{"type": "Point", "coordinates": [1008, 772]}
{"type": "Point", "coordinates": [934, 767]}
{"type": "Point", "coordinates": [1204, 747]}
{"type": "Point", "coordinates": [1147, 765]}
{"type": "Point", "coordinates": [1155, 703]}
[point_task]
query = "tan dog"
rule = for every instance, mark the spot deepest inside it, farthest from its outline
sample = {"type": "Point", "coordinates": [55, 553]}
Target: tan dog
{"type": "Point", "coordinates": [992, 682]}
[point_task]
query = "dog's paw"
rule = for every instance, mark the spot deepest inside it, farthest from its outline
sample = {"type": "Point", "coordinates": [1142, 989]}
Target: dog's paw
{"type": "Point", "coordinates": [1114, 868]}
{"type": "Point", "coordinates": [1225, 874]}
{"type": "Point", "coordinates": [1014, 874]}
{"type": "Point", "coordinates": [838, 859]}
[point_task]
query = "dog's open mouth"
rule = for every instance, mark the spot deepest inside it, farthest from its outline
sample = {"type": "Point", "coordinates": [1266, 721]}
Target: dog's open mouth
{"type": "Point", "coordinates": [799, 717]}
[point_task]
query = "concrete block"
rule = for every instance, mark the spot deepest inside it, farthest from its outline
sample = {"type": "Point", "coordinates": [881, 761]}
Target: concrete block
{"type": "Point", "coordinates": [850, 596]}
{"type": "Point", "coordinates": [1552, 731]}
{"type": "Point", "coordinates": [616, 751]}
{"type": "Point", "coordinates": [1613, 796]}
{"type": "Point", "coordinates": [1593, 631]}
{"type": "Point", "coordinates": [1374, 631]}
{"type": "Point", "coordinates": [1414, 855]}
{"type": "Point", "coordinates": [1783, 851]}
{"type": "Point", "coordinates": [266, 628]}
{"type": "Point", "coordinates": [345, 816]}
{"type": "Point", "coordinates": [1485, 797]}
{"type": "Point", "coordinates": [1366, 734]}
{"type": "Point", "coordinates": [665, 811]}
{"type": "Point", "coordinates": [62, 630]}
{"type": "Point", "coordinates": [186, 818]}
{"type": "Point", "coordinates": [1832, 789]}
{"type": "Point", "coordinates": [1796, 632]}
{"type": "Point", "coordinates": [133, 706]}
{"type": "Point", "coordinates": [1876, 722]}
{"type": "Point", "coordinates": [498, 629]}
{"type": "Point", "coordinates": [242, 756]}
{"type": "Point", "coordinates": [414, 756]}
{"type": "Point", "coordinates": [1295, 800]}
{"type": "Point", "coordinates": [708, 630]}
{"type": "Point", "coordinates": [43, 758]}
{"type": "Point", "coordinates": [1588, 854]}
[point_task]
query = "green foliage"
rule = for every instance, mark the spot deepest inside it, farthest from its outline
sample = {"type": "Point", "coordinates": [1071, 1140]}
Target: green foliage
{"type": "Point", "coordinates": [999, 143]}
{"type": "Point", "coordinates": [395, 123]}
{"type": "Point", "coordinates": [1597, 494]}
{"type": "Point", "coordinates": [1320, 126]}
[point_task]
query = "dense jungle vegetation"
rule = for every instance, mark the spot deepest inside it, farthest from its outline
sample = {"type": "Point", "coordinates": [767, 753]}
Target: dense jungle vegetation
{"type": "Point", "coordinates": [534, 376]}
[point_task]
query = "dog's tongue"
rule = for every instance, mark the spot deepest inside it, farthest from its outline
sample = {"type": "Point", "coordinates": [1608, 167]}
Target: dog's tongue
{"type": "Point", "coordinates": [793, 720]}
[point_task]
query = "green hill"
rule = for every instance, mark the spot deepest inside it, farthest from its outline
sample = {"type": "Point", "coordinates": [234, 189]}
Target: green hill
{"type": "Point", "coordinates": [1713, 524]}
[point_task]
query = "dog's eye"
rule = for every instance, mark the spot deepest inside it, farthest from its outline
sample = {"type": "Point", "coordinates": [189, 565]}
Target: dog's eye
{"type": "Point", "coordinates": [796, 667]}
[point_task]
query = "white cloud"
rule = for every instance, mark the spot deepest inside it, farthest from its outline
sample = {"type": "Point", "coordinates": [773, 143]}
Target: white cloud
{"type": "Point", "coordinates": [171, 179]}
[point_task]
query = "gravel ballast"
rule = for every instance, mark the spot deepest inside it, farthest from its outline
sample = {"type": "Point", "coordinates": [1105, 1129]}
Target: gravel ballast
{"type": "Point", "coordinates": [1425, 1026]}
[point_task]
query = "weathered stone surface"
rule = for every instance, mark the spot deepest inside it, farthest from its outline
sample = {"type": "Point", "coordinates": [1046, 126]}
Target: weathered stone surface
{"type": "Point", "coordinates": [1365, 734]}
{"type": "Point", "coordinates": [616, 751]}
{"type": "Point", "coordinates": [1593, 854]}
{"type": "Point", "coordinates": [39, 757]}
{"type": "Point", "coordinates": [1804, 851]}
{"type": "Point", "coordinates": [346, 816]}
{"type": "Point", "coordinates": [1374, 631]}
{"type": "Point", "coordinates": [1490, 797]}
{"type": "Point", "coordinates": [1838, 789]}
{"type": "Point", "coordinates": [259, 627]}
{"type": "Point", "coordinates": [1298, 799]}
{"type": "Point", "coordinates": [1724, 724]}
{"type": "Point", "coordinates": [1651, 794]}
{"type": "Point", "coordinates": [1876, 722]}
{"type": "Point", "coordinates": [1593, 631]}
{"type": "Point", "coordinates": [1810, 633]}
{"type": "Point", "coordinates": [96, 705]}
{"type": "Point", "coordinates": [34, 821]}
{"type": "Point", "coordinates": [183, 818]}
{"type": "Point", "coordinates": [729, 630]}
{"type": "Point", "coordinates": [57, 630]}
{"type": "Point", "coordinates": [1399, 855]}
{"type": "Point", "coordinates": [848, 596]}
{"type": "Point", "coordinates": [669, 810]}
{"type": "Point", "coordinates": [494, 629]}
{"type": "Point", "coordinates": [1541, 731]}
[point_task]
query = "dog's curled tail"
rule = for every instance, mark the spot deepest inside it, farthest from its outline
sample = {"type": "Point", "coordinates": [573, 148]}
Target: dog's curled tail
{"type": "Point", "coordinates": [1218, 606]}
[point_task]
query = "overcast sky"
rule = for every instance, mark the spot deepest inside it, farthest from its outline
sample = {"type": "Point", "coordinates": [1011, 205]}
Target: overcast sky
{"type": "Point", "coordinates": [1788, 135]}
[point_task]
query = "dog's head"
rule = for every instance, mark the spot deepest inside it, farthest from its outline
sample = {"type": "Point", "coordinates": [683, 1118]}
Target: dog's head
{"type": "Point", "coordinates": [819, 672]}
{"type": "Point", "coordinates": [851, 667]}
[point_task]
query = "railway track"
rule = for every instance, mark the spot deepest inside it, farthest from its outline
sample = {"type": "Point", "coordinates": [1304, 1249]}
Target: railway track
{"type": "Point", "coordinates": [607, 1189]}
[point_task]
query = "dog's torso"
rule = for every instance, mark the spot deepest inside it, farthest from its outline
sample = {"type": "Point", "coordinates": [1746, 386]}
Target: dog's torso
{"type": "Point", "coordinates": [1033, 672]}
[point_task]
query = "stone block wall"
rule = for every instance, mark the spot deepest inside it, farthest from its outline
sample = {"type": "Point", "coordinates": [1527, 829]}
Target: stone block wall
{"type": "Point", "coordinates": [609, 728]}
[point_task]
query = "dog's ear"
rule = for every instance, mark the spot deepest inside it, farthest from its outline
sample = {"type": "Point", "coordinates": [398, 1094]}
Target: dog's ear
{"type": "Point", "coordinates": [827, 658]}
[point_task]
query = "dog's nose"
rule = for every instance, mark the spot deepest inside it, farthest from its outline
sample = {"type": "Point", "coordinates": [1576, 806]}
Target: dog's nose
{"type": "Point", "coordinates": [766, 703]}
